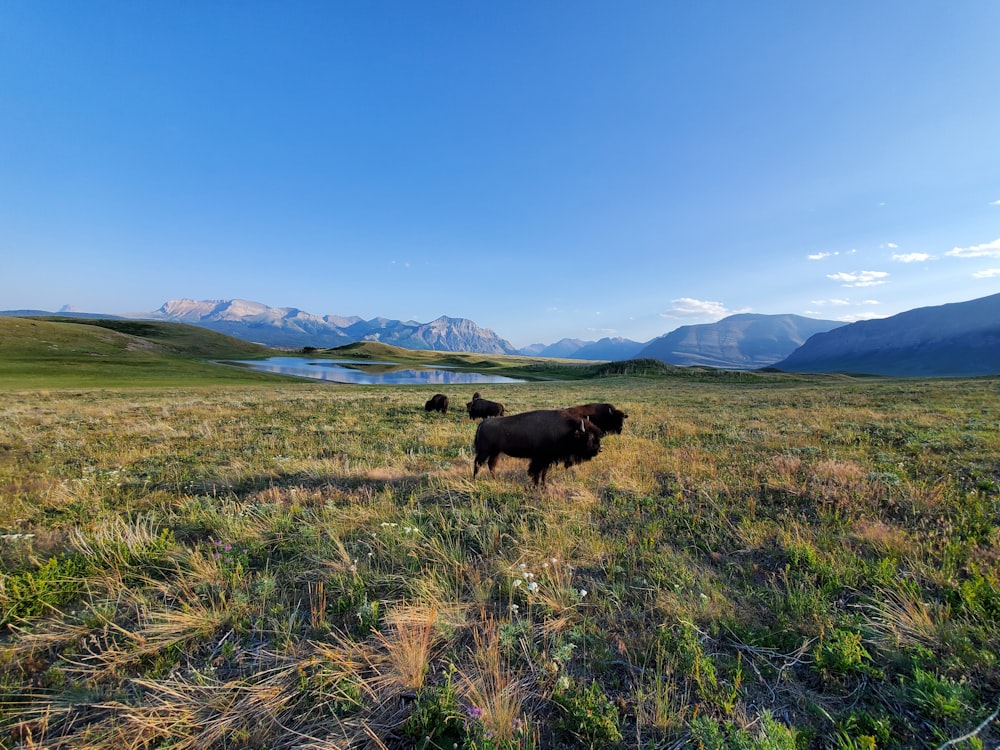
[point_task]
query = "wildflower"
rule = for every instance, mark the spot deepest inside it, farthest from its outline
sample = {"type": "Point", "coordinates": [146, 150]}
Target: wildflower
{"type": "Point", "coordinates": [583, 593]}
{"type": "Point", "coordinates": [514, 609]}
{"type": "Point", "coordinates": [473, 712]}
{"type": "Point", "coordinates": [533, 586]}
{"type": "Point", "coordinates": [516, 582]}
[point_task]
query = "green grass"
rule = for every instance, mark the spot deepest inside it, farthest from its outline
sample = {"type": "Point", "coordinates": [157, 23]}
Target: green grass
{"type": "Point", "coordinates": [758, 561]}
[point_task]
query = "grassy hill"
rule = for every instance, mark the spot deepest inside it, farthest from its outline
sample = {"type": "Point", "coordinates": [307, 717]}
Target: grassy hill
{"type": "Point", "coordinates": [55, 352]}
{"type": "Point", "coordinates": [532, 368]}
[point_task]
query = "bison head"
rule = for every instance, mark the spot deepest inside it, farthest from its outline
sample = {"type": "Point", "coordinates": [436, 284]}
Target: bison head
{"type": "Point", "coordinates": [587, 440]}
{"type": "Point", "coordinates": [605, 416]}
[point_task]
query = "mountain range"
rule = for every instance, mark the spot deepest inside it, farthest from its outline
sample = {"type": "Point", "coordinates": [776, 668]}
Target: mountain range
{"type": "Point", "coordinates": [290, 327]}
{"type": "Point", "coordinates": [961, 338]}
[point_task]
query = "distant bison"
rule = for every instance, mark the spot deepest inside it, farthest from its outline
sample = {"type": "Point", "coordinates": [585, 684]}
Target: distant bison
{"type": "Point", "coordinates": [437, 402]}
{"type": "Point", "coordinates": [545, 436]}
{"type": "Point", "coordinates": [605, 416]}
{"type": "Point", "coordinates": [481, 408]}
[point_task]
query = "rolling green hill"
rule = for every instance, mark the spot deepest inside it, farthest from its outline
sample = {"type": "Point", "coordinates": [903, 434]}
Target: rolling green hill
{"type": "Point", "coordinates": [70, 352]}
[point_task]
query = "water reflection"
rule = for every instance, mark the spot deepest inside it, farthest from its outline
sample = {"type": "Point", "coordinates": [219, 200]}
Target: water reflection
{"type": "Point", "coordinates": [368, 373]}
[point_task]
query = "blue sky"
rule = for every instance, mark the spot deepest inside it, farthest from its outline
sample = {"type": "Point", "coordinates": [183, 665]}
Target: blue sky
{"type": "Point", "coordinates": [547, 169]}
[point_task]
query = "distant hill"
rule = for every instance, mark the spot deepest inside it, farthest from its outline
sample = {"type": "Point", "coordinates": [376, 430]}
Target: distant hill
{"type": "Point", "coordinates": [740, 342]}
{"type": "Point", "coordinates": [616, 348]}
{"type": "Point", "coordinates": [63, 312]}
{"type": "Point", "coordinates": [290, 327]}
{"type": "Point", "coordinates": [961, 338]}
{"type": "Point", "coordinates": [561, 348]}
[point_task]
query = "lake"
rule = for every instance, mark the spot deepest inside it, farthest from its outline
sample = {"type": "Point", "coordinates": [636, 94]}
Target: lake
{"type": "Point", "coordinates": [365, 372]}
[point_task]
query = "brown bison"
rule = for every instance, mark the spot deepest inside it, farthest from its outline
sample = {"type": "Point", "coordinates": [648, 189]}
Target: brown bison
{"type": "Point", "coordinates": [437, 402]}
{"type": "Point", "coordinates": [481, 408]}
{"type": "Point", "coordinates": [545, 436]}
{"type": "Point", "coordinates": [605, 416]}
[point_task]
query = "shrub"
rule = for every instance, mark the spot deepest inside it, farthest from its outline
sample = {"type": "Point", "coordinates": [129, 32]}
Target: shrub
{"type": "Point", "coordinates": [589, 715]}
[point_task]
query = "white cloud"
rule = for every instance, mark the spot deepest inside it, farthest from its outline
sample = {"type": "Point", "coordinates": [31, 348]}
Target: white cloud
{"type": "Point", "coordinates": [912, 257]}
{"type": "Point", "coordinates": [989, 273]}
{"type": "Point", "coordinates": [995, 203]}
{"type": "Point", "coordinates": [859, 279]}
{"type": "Point", "coordinates": [891, 245]}
{"type": "Point", "coordinates": [687, 307]}
{"type": "Point", "coordinates": [819, 256]}
{"type": "Point", "coordinates": [987, 250]}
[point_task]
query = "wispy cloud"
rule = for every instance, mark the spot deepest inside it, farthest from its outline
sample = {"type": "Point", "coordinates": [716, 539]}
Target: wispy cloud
{"type": "Point", "coordinates": [859, 278]}
{"type": "Point", "coordinates": [986, 250]}
{"type": "Point", "coordinates": [995, 203]}
{"type": "Point", "coordinates": [687, 307]}
{"type": "Point", "coordinates": [912, 257]}
{"type": "Point", "coordinates": [822, 254]}
{"type": "Point", "coordinates": [855, 317]}
{"type": "Point", "coordinates": [989, 273]}
{"type": "Point", "coordinates": [844, 302]}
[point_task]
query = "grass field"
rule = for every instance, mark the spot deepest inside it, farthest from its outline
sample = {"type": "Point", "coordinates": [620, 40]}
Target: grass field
{"type": "Point", "coordinates": [211, 558]}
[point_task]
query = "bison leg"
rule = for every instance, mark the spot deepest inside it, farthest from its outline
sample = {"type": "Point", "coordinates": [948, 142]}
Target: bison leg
{"type": "Point", "coordinates": [490, 461]}
{"type": "Point", "coordinates": [537, 470]}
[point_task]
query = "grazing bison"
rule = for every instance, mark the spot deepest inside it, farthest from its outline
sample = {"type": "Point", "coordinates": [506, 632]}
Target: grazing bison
{"type": "Point", "coordinates": [437, 402]}
{"type": "Point", "coordinates": [481, 408]}
{"type": "Point", "coordinates": [545, 436]}
{"type": "Point", "coordinates": [605, 416]}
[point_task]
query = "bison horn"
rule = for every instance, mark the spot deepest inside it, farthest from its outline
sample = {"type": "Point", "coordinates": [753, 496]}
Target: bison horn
{"type": "Point", "coordinates": [583, 425]}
